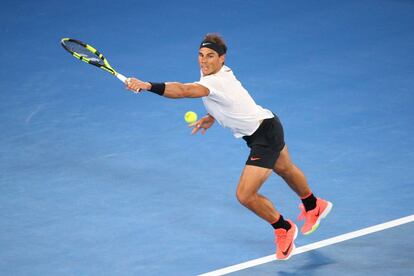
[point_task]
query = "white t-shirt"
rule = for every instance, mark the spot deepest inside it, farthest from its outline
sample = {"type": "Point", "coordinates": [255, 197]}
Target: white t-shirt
{"type": "Point", "coordinates": [230, 103]}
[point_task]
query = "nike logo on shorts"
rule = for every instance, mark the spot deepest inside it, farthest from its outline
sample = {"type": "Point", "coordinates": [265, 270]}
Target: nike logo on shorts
{"type": "Point", "coordinates": [255, 158]}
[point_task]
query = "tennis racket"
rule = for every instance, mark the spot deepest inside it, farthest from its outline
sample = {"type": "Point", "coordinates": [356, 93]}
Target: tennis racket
{"type": "Point", "coordinates": [90, 55]}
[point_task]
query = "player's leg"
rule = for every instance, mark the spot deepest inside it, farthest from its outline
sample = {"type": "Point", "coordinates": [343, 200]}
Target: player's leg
{"type": "Point", "coordinates": [312, 209]}
{"type": "Point", "coordinates": [250, 182]}
{"type": "Point", "coordinates": [292, 175]}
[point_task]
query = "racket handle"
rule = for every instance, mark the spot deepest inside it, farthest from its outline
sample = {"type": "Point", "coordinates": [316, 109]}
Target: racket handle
{"type": "Point", "coordinates": [124, 79]}
{"type": "Point", "coordinates": [121, 77]}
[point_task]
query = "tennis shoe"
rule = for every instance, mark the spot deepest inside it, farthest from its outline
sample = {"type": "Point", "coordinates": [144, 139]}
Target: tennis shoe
{"type": "Point", "coordinates": [313, 217]}
{"type": "Point", "coordinates": [285, 241]}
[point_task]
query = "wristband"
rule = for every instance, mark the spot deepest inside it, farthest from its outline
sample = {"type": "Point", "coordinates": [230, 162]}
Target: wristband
{"type": "Point", "coordinates": [157, 88]}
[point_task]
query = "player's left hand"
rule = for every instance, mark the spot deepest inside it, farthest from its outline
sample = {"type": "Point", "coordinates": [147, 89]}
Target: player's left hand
{"type": "Point", "coordinates": [136, 85]}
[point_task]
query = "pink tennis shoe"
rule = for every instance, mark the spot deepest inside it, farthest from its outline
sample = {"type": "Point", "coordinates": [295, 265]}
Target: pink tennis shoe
{"type": "Point", "coordinates": [313, 217]}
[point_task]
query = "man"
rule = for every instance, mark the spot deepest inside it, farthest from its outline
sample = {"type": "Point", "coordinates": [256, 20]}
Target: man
{"type": "Point", "coordinates": [230, 104]}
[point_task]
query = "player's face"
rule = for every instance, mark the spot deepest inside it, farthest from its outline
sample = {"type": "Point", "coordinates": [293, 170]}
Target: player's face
{"type": "Point", "coordinates": [210, 62]}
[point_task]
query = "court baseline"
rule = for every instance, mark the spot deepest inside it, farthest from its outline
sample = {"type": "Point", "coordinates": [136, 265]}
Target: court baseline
{"type": "Point", "coordinates": [315, 245]}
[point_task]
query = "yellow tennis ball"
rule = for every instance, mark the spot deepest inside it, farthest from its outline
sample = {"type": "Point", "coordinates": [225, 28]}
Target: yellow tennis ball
{"type": "Point", "coordinates": [190, 117]}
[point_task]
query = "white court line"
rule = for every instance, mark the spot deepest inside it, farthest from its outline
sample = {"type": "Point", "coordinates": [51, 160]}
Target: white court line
{"type": "Point", "coordinates": [31, 115]}
{"type": "Point", "coordinates": [313, 246]}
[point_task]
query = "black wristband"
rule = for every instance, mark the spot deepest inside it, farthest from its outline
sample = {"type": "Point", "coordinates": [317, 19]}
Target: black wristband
{"type": "Point", "coordinates": [157, 88]}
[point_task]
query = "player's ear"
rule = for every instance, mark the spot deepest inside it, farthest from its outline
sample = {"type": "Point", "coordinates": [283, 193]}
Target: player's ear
{"type": "Point", "coordinates": [222, 58]}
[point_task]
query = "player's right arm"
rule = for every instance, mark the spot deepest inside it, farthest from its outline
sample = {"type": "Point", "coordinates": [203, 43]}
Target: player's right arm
{"type": "Point", "coordinates": [172, 89]}
{"type": "Point", "coordinates": [204, 123]}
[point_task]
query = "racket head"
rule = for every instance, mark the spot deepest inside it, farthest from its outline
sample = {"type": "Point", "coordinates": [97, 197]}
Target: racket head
{"type": "Point", "coordinates": [86, 53]}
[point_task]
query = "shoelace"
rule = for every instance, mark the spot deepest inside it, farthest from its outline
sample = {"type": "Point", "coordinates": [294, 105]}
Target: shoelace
{"type": "Point", "coordinates": [302, 214]}
{"type": "Point", "coordinates": [280, 236]}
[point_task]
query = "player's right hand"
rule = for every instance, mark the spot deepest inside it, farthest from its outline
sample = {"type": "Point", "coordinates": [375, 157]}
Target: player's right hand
{"type": "Point", "coordinates": [205, 123]}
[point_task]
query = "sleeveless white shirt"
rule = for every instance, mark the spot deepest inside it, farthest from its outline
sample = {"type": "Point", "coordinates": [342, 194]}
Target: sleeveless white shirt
{"type": "Point", "coordinates": [230, 103]}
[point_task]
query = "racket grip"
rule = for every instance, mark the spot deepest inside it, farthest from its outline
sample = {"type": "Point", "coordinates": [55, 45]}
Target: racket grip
{"type": "Point", "coordinates": [121, 77]}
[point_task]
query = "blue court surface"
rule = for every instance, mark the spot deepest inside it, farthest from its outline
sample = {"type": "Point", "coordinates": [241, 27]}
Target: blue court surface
{"type": "Point", "coordinates": [349, 258]}
{"type": "Point", "coordinates": [95, 180]}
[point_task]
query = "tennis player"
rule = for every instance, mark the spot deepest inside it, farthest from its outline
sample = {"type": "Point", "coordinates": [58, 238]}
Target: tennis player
{"type": "Point", "coordinates": [230, 104]}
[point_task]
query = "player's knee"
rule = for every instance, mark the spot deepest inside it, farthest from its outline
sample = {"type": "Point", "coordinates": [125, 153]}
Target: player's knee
{"type": "Point", "coordinates": [245, 198]}
{"type": "Point", "coordinates": [284, 170]}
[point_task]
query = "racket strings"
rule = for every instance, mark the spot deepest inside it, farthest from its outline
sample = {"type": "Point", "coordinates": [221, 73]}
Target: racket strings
{"type": "Point", "coordinates": [83, 52]}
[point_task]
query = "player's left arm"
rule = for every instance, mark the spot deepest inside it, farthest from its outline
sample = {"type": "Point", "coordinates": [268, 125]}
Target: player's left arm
{"type": "Point", "coordinates": [169, 89]}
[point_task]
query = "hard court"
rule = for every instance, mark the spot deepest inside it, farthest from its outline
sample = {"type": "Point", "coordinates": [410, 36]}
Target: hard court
{"type": "Point", "coordinates": [95, 180]}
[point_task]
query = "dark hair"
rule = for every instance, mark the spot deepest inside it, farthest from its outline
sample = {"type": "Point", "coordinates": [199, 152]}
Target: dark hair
{"type": "Point", "coordinates": [217, 39]}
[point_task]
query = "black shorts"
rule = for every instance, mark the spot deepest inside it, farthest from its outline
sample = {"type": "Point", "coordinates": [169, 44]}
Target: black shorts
{"type": "Point", "coordinates": [266, 143]}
